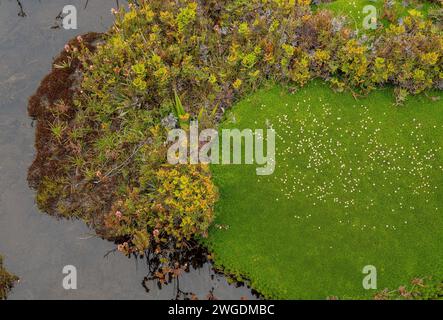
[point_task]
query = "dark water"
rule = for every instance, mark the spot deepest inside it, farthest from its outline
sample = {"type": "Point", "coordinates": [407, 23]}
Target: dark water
{"type": "Point", "coordinates": [36, 247]}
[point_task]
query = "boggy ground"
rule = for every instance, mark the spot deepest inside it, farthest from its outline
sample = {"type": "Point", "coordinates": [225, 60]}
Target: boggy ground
{"type": "Point", "coordinates": [50, 106]}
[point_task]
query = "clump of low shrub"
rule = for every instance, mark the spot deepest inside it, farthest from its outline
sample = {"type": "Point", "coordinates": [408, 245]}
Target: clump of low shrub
{"type": "Point", "coordinates": [411, 55]}
{"type": "Point", "coordinates": [101, 143]}
{"type": "Point", "coordinates": [175, 202]}
{"type": "Point", "coordinates": [7, 281]}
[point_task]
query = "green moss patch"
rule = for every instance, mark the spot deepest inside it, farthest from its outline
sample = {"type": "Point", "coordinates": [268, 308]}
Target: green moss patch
{"type": "Point", "coordinates": [357, 182]}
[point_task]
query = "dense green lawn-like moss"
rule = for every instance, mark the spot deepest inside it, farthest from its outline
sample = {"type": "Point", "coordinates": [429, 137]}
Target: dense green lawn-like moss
{"type": "Point", "coordinates": [357, 182]}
